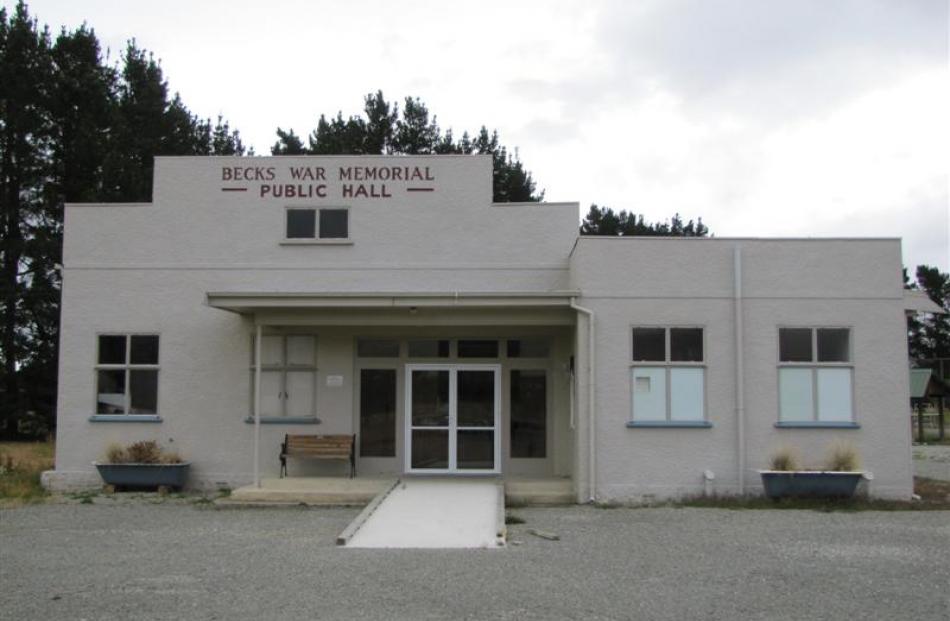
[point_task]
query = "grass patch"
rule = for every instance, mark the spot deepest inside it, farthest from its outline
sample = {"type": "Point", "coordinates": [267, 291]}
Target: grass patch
{"type": "Point", "coordinates": [21, 464]}
{"type": "Point", "coordinates": [934, 496]}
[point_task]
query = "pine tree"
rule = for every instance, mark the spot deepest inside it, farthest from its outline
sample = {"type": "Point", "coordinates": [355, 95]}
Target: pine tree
{"type": "Point", "coordinates": [383, 130]}
{"type": "Point", "coordinates": [26, 136]}
{"type": "Point", "coordinates": [603, 221]}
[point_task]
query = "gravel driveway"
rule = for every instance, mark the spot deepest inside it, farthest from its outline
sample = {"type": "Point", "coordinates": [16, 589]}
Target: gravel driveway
{"type": "Point", "coordinates": [932, 462]}
{"type": "Point", "coordinates": [180, 561]}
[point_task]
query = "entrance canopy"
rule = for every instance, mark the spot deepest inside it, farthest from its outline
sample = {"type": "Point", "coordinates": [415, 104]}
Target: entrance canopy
{"type": "Point", "coordinates": [251, 302]}
{"type": "Point", "coordinates": [452, 415]}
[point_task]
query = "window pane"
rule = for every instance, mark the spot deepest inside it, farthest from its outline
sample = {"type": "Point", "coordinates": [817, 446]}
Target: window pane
{"type": "Point", "coordinates": [649, 344]}
{"type": "Point", "coordinates": [794, 345]}
{"type": "Point", "coordinates": [377, 348]}
{"type": "Point", "coordinates": [475, 450]}
{"type": "Point", "coordinates": [333, 224]}
{"type": "Point", "coordinates": [301, 223]}
{"type": "Point", "coordinates": [528, 348]}
{"type": "Point", "coordinates": [686, 394]}
{"type": "Point", "coordinates": [528, 413]}
{"type": "Point", "coordinates": [301, 350]}
{"type": "Point", "coordinates": [834, 345]}
{"type": "Point", "coordinates": [430, 448]}
{"type": "Point", "coordinates": [378, 412]}
{"type": "Point", "coordinates": [430, 398]}
{"type": "Point", "coordinates": [300, 393]}
{"type": "Point", "coordinates": [476, 398]}
{"type": "Point", "coordinates": [478, 349]}
{"type": "Point", "coordinates": [649, 393]}
{"type": "Point", "coordinates": [144, 350]}
{"type": "Point", "coordinates": [796, 396]}
{"type": "Point", "coordinates": [834, 395]}
{"type": "Point", "coordinates": [111, 349]}
{"type": "Point", "coordinates": [110, 392]}
{"type": "Point", "coordinates": [428, 349]}
{"type": "Point", "coordinates": [272, 351]}
{"type": "Point", "coordinates": [686, 344]}
{"type": "Point", "coordinates": [271, 389]}
{"type": "Point", "coordinates": [143, 392]}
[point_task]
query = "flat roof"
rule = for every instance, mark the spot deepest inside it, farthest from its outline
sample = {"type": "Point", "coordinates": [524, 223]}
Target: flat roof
{"type": "Point", "coordinates": [250, 301]}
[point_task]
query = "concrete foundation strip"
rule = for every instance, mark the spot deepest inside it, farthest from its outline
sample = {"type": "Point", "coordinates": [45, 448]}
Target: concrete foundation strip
{"type": "Point", "coordinates": [502, 532]}
{"type": "Point", "coordinates": [343, 538]}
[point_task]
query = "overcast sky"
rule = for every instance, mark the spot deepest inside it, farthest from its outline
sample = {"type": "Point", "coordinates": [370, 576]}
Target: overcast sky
{"type": "Point", "coordinates": [764, 117]}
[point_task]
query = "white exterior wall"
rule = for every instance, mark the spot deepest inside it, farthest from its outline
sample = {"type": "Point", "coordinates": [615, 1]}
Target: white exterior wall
{"type": "Point", "coordinates": [807, 283]}
{"type": "Point", "coordinates": [149, 267]}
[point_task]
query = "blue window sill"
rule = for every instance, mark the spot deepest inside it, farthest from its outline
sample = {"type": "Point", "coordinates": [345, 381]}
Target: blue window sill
{"type": "Point", "coordinates": [285, 420]}
{"type": "Point", "coordinates": [669, 424]}
{"type": "Point", "coordinates": [125, 418]}
{"type": "Point", "coordinates": [814, 424]}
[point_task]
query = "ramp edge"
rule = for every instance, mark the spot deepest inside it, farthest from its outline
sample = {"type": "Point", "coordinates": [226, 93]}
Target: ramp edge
{"type": "Point", "coordinates": [344, 537]}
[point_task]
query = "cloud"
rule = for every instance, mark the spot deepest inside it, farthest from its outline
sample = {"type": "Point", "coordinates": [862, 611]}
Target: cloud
{"type": "Point", "coordinates": [765, 56]}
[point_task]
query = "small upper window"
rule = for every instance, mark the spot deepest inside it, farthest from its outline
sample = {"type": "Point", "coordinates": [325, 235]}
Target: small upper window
{"type": "Point", "coordinates": [308, 223]}
{"type": "Point", "coordinates": [301, 223]}
{"type": "Point", "coordinates": [478, 349]}
{"type": "Point", "coordinates": [649, 344]}
{"type": "Point", "coordinates": [528, 348]}
{"type": "Point", "coordinates": [834, 345]}
{"type": "Point", "coordinates": [428, 348]}
{"type": "Point", "coordinates": [334, 224]}
{"type": "Point", "coordinates": [377, 348]}
{"type": "Point", "coordinates": [668, 344]}
{"type": "Point", "coordinates": [814, 344]}
{"type": "Point", "coordinates": [794, 344]}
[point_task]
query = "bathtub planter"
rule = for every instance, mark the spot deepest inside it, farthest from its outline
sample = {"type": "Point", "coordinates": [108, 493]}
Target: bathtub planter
{"type": "Point", "coordinates": [144, 475]}
{"type": "Point", "coordinates": [809, 483]}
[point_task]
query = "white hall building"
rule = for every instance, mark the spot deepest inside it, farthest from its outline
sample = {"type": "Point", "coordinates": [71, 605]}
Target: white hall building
{"type": "Point", "coordinates": [453, 336]}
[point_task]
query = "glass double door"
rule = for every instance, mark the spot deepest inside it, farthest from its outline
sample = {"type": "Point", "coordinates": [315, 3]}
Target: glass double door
{"type": "Point", "coordinates": [452, 418]}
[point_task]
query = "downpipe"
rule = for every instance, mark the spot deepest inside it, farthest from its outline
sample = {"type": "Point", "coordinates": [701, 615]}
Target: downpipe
{"type": "Point", "coordinates": [591, 426]}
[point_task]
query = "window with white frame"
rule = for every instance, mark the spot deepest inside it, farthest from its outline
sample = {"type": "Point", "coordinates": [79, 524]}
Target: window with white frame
{"type": "Point", "coordinates": [668, 375]}
{"type": "Point", "coordinates": [127, 374]}
{"type": "Point", "coordinates": [815, 375]}
{"type": "Point", "coordinates": [288, 376]}
{"type": "Point", "coordinates": [310, 223]}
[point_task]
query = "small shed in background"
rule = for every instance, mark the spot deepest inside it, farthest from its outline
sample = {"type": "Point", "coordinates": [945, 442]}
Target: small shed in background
{"type": "Point", "coordinates": [926, 389]}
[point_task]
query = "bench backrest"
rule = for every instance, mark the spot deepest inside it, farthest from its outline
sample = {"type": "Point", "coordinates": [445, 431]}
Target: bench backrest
{"type": "Point", "coordinates": [335, 445]}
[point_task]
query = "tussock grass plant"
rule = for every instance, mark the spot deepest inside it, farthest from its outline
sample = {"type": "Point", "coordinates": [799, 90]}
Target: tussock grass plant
{"type": "Point", "coordinates": [144, 452]}
{"type": "Point", "coordinates": [785, 459]}
{"type": "Point", "coordinates": [842, 457]}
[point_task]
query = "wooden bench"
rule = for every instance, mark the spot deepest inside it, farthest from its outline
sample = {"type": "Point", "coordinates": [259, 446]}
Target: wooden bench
{"type": "Point", "coordinates": [318, 447]}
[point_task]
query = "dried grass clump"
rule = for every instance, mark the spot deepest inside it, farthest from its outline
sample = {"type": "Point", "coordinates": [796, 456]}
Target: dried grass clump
{"type": "Point", "coordinates": [842, 457]}
{"type": "Point", "coordinates": [785, 459]}
{"type": "Point", "coordinates": [116, 454]}
{"type": "Point", "coordinates": [144, 452]}
{"type": "Point", "coordinates": [171, 457]}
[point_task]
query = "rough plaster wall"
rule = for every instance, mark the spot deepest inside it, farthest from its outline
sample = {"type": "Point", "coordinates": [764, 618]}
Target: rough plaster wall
{"type": "Point", "coordinates": [148, 267]}
{"type": "Point", "coordinates": [192, 222]}
{"type": "Point", "coordinates": [204, 381]}
{"type": "Point", "coordinates": [852, 283]}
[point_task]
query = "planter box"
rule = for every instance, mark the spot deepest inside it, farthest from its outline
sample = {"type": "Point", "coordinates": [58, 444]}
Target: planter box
{"type": "Point", "coordinates": [809, 484]}
{"type": "Point", "coordinates": [144, 475]}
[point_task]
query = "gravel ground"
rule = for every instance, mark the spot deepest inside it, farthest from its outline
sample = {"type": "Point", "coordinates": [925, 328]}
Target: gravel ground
{"type": "Point", "coordinates": [175, 560]}
{"type": "Point", "coordinates": [932, 462]}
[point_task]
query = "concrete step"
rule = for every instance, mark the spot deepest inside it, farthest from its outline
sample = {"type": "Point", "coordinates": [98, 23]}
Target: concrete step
{"type": "Point", "coordinates": [315, 491]}
{"type": "Point", "coordinates": [539, 492]}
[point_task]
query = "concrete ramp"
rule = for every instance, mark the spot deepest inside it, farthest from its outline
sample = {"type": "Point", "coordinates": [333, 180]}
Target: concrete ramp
{"type": "Point", "coordinates": [432, 513]}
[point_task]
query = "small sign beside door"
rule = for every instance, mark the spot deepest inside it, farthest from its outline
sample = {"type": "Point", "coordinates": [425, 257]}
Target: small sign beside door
{"type": "Point", "coordinates": [334, 381]}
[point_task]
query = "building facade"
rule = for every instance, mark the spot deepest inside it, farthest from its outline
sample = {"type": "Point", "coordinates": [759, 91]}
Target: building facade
{"type": "Point", "coordinates": [389, 298]}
